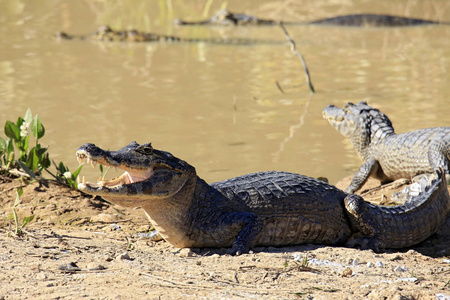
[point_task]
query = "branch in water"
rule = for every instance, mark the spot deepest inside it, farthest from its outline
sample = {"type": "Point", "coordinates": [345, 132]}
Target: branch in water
{"type": "Point", "coordinates": [279, 87]}
{"type": "Point", "coordinates": [293, 50]}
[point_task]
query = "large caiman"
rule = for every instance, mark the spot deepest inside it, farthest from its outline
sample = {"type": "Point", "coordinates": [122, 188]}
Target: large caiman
{"type": "Point", "coordinates": [261, 209]}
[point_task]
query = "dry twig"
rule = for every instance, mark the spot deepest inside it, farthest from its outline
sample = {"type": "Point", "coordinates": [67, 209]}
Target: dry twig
{"type": "Point", "coordinates": [294, 50]}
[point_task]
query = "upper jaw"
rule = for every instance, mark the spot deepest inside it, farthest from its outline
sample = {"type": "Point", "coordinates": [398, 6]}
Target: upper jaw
{"type": "Point", "coordinates": [121, 158]}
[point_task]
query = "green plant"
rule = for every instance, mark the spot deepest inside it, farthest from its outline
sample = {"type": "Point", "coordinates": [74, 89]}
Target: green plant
{"type": "Point", "coordinates": [19, 228]}
{"type": "Point", "coordinates": [103, 172]}
{"type": "Point", "coordinates": [305, 262]}
{"type": "Point", "coordinates": [36, 159]}
{"type": "Point", "coordinates": [32, 160]}
{"type": "Point", "coordinates": [65, 176]}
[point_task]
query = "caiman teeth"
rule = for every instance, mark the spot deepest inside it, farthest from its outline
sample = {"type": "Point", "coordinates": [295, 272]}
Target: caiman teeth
{"type": "Point", "coordinates": [113, 182]}
{"type": "Point", "coordinates": [105, 183]}
{"type": "Point", "coordinates": [125, 178]}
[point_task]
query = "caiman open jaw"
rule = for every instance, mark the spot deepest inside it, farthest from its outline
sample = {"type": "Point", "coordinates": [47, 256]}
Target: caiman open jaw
{"type": "Point", "coordinates": [130, 176]}
{"type": "Point", "coordinates": [138, 161]}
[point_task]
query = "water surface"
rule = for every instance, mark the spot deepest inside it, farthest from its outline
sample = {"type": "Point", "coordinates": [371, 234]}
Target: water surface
{"type": "Point", "coordinates": [218, 106]}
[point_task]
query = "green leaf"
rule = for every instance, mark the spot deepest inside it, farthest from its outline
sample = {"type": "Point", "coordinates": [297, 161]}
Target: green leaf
{"type": "Point", "coordinates": [19, 192]}
{"type": "Point", "coordinates": [12, 131]}
{"type": "Point", "coordinates": [25, 143]}
{"type": "Point", "coordinates": [32, 160]}
{"type": "Point", "coordinates": [9, 146]}
{"type": "Point", "coordinates": [19, 122]}
{"type": "Point", "coordinates": [2, 145]}
{"type": "Point", "coordinates": [22, 144]}
{"type": "Point", "coordinates": [37, 128]}
{"type": "Point", "coordinates": [28, 116]}
{"type": "Point", "coordinates": [75, 174]}
{"type": "Point", "coordinates": [72, 184]}
{"type": "Point", "coordinates": [27, 220]}
{"type": "Point", "coordinates": [45, 162]}
{"type": "Point", "coordinates": [62, 168]}
{"type": "Point", "coordinates": [26, 169]}
{"type": "Point", "coordinates": [40, 151]}
{"type": "Point", "coordinates": [9, 157]}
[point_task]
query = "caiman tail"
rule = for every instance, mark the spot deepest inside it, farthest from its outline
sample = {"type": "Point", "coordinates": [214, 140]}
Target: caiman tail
{"type": "Point", "coordinates": [402, 225]}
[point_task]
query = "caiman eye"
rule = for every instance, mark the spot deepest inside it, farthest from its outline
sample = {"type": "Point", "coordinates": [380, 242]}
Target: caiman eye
{"type": "Point", "coordinates": [145, 149]}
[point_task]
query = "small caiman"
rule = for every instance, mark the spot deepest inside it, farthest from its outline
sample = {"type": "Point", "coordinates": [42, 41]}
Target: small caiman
{"type": "Point", "coordinates": [388, 156]}
{"type": "Point", "coordinates": [261, 209]}
{"type": "Point", "coordinates": [227, 18]}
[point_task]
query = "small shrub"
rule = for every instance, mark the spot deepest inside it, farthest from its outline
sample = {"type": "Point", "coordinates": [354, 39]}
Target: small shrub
{"type": "Point", "coordinates": [16, 152]}
{"type": "Point", "coordinates": [36, 159]}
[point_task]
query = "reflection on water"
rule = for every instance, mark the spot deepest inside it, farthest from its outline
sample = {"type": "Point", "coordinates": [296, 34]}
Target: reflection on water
{"type": "Point", "coordinates": [218, 106]}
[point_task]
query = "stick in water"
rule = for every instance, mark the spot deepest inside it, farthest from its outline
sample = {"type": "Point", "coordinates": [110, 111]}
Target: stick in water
{"type": "Point", "coordinates": [293, 50]}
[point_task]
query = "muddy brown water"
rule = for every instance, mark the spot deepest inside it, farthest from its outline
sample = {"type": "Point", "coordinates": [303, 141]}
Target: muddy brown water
{"type": "Point", "coordinates": [218, 106]}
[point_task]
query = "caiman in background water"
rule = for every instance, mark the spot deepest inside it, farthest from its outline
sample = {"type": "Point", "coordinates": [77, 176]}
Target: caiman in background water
{"type": "Point", "coordinates": [260, 209]}
{"type": "Point", "coordinates": [225, 17]}
{"type": "Point", "coordinates": [107, 34]}
{"type": "Point", "coordinates": [388, 156]}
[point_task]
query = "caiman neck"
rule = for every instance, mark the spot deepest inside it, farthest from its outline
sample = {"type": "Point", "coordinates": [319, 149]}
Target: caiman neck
{"type": "Point", "coordinates": [368, 138]}
{"type": "Point", "coordinates": [168, 215]}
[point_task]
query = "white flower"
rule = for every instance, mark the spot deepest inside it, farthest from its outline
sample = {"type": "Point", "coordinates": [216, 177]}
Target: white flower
{"type": "Point", "coordinates": [68, 175]}
{"type": "Point", "coordinates": [24, 129]}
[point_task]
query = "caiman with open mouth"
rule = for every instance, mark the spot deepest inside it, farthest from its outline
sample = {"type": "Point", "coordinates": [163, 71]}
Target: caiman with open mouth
{"type": "Point", "coordinates": [261, 209]}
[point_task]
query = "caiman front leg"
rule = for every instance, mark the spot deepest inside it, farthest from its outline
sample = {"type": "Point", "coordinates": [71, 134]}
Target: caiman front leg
{"type": "Point", "coordinates": [250, 226]}
{"type": "Point", "coordinates": [370, 167]}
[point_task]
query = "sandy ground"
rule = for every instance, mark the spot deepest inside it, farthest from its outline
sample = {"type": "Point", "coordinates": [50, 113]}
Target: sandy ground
{"type": "Point", "coordinates": [82, 247]}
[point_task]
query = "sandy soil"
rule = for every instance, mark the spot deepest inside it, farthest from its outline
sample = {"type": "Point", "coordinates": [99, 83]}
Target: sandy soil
{"type": "Point", "coordinates": [82, 247]}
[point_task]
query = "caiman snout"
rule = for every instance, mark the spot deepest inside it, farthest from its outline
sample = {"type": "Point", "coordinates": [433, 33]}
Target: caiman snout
{"type": "Point", "coordinates": [334, 113]}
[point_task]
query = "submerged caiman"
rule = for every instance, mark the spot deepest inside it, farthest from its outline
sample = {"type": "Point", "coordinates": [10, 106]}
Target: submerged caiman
{"type": "Point", "coordinates": [261, 209]}
{"type": "Point", "coordinates": [388, 156]}
{"type": "Point", "coordinates": [225, 17]}
{"type": "Point", "coordinates": [107, 34]}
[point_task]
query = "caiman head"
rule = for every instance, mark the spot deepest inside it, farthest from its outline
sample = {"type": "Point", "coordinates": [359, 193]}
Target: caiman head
{"type": "Point", "coordinates": [359, 122]}
{"type": "Point", "coordinates": [150, 174]}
